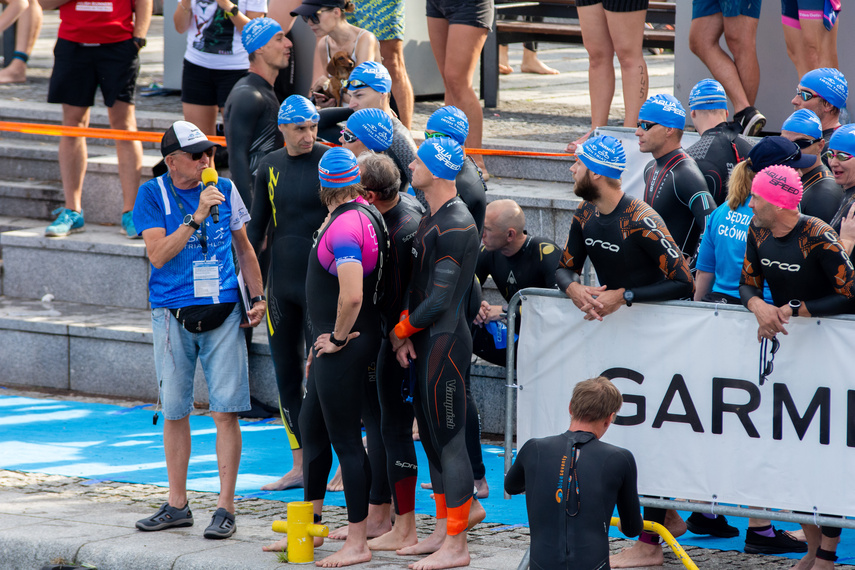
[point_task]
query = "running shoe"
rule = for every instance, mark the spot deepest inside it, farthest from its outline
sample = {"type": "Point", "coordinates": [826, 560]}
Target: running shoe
{"type": "Point", "coordinates": [781, 543]}
{"type": "Point", "coordinates": [751, 120]}
{"type": "Point", "coordinates": [67, 222]}
{"type": "Point", "coordinates": [222, 525]}
{"type": "Point", "coordinates": [167, 516]}
{"type": "Point", "coordinates": [699, 524]}
{"type": "Point", "coordinates": [128, 226]}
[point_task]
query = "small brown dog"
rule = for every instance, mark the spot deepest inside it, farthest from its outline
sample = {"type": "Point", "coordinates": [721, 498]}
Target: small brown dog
{"type": "Point", "coordinates": [338, 68]}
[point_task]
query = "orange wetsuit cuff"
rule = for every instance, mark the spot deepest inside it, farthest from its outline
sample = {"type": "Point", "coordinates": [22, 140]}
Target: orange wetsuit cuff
{"type": "Point", "coordinates": [405, 330]}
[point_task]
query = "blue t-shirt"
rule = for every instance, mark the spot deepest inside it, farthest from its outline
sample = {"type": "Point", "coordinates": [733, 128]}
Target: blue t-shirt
{"type": "Point", "coordinates": [722, 250]}
{"type": "Point", "coordinates": [171, 286]}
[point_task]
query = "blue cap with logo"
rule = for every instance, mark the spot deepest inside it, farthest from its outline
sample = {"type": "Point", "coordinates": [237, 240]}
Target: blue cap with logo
{"type": "Point", "coordinates": [665, 110]}
{"type": "Point", "coordinates": [603, 155]}
{"type": "Point", "coordinates": [258, 32]}
{"type": "Point", "coordinates": [373, 127]}
{"type": "Point", "coordinates": [442, 156]}
{"type": "Point", "coordinates": [297, 109]}
{"type": "Point", "coordinates": [707, 94]}
{"type": "Point", "coordinates": [373, 75]}
{"type": "Point", "coordinates": [450, 121]}
{"type": "Point", "coordinates": [805, 122]}
{"type": "Point", "coordinates": [338, 168]}
{"type": "Point", "coordinates": [843, 139]}
{"type": "Point", "coordinates": [829, 84]}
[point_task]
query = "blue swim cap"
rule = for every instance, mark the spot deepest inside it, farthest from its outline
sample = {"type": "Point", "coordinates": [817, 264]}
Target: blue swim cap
{"type": "Point", "coordinates": [450, 121]}
{"type": "Point", "coordinates": [603, 155]}
{"type": "Point", "coordinates": [373, 75]}
{"type": "Point", "coordinates": [442, 156]}
{"type": "Point", "coordinates": [258, 32]}
{"type": "Point", "coordinates": [338, 168]}
{"type": "Point", "coordinates": [843, 139]}
{"type": "Point", "coordinates": [829, 84]}
{"type": "Point", "coordinates": [297, 109]}
{"type": "Point", "coordinates": [804, 122]}
{"type": "Point", "coordinates": [665, 110]}
{"type": "Point", "coordinates": [707, 94]}
{"type": "Point", "coordinates": [373, 127]}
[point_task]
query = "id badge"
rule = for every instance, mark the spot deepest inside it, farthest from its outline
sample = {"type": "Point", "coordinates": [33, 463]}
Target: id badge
{"type": "Point", "coordinates": [206, 278]}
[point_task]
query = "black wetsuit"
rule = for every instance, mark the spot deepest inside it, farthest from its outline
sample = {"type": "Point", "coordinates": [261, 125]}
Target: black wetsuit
{"type": "Point", "coordinates": [250, 118]}
{"type": "Point", "coordinates": [472, 190]}
{"type": "Point", "coordinates": [822, 195]}
{"type": "Point", "coordinates": [717, 152]}
{"type": "Point", "coordinates": [605, 476]}
{"type": "Point", "coordinates": [336, 385]}
{"type": "Point", "coordinates": [288, 207]}
{"type": "Point", "coordinates": [845, 205]}
{"type": "Point", "coordinates": [533, 265]}
{"type": "Point", "coordinates": [676, 189]}
{"type": "Point", "coordinates": [402, 151]}
{"type": "Point", "coordinates": [393, 465]}
{"type": "Point", "coordinates": [630, 248]}
{"type": "Point", "coordinates": [807, 264]}
{"type": "Point", "coordinates": [445, 251]}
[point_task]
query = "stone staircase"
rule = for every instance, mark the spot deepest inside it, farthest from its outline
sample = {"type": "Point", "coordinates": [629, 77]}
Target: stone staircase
{"type": "Point", "coordinates": [74, 311]}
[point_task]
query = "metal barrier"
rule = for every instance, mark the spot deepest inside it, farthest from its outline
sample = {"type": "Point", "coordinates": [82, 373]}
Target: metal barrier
{"type": "Point", "coordinates": [655, 502]}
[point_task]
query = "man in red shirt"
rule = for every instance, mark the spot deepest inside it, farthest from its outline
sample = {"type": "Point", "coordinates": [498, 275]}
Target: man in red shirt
{"type": "Point", "coordinates": [97, 45]}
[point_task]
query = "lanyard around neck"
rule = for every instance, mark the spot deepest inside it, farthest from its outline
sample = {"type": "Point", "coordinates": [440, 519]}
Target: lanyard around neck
{"type": "Point", "coordinates": [203, 240]}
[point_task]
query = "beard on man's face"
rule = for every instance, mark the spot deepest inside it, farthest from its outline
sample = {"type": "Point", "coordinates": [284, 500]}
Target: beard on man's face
{"type": "Point", "coordinates": [586, 189]}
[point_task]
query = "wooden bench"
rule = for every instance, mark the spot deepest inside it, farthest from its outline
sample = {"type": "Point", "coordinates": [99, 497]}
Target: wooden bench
{"type": "Point", "coordinates": [509, 31]}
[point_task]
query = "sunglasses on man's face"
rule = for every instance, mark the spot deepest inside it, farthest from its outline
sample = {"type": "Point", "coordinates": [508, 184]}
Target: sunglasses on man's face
{"type": "Point", "coordinates": [348, 136]}
{"type": "Point", "coordinates": [838, 154]}
{"type": "Point", "coordinates": [434, 135]}
{"type": "Point", "coordinates": [197, 156]}
{"type": "Point", "coordinates": [805, 95]}
{"type": "Point", "coordinates": [352, 84]}
{"type": "Point", "coordinates": [645, 125]}
{"type": "Point", "coordinates": [805, 143]}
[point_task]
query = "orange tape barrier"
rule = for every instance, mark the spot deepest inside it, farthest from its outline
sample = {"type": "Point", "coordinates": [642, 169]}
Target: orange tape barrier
{"type": "Point", "coordinates": [155, 137]}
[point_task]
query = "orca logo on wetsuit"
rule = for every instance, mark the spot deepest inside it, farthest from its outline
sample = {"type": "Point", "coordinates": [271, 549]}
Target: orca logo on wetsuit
{"type": "Point", "coordinates": [672, 251]}
{"type": "Point", "coordinates": [782, 266]}
{"type": "Point", "coordinates": [603, 244]}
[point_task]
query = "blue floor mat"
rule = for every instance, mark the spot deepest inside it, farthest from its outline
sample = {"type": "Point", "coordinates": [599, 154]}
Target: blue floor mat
{"type": "Point", "coordinates": [103, 442]}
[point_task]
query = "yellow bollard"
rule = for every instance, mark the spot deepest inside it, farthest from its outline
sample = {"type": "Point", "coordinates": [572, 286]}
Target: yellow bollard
{"type": "Point", "coordinates": [301, 531]}
{"type": "Point", "coordinates": [669, 539]}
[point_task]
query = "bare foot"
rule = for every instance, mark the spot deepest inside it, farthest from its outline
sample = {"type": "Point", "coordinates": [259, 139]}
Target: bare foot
{"type": "Point", "coordinates": [338, 534]}
{"type": "Point", "coordinates": [395, 539]}
{"type": "Point", "coordinates": [505, 69]}
{"type": "Point", "coordinates": [450, 555]}
{"type": "Point", "coordinates": [429, 545]}
{"type": "Point", "coordinates": [280, 545]}
{"type": "Point", "coordinates": [348, 555]}
{"type": "Point", "coordinates": [674, 523]}
{"type": "Point", "coordinates": [428, 486]}
{"type": "Point", "coordinates": [571, 147]}
{"type": "Point", "coordinates": [415, 431]}
{"type": "Point", "coordinates": [16, 72]}
{"type": "Point", "coordinates": [290, 480]}
{"type": "Point", "coordinates": [482, 488]}
{"type": "Point", "coordinates": [798, 534]}
{"type": "Point", "coordinates": [537, 66]}
{"type": "Point", "coordinates": [823, 564]}
{"type": "Point", "coordinates": [336, 484]}
{"type": "Point", "coordinates": [809, 561]}
{"type": "Point", "coordinates": [638, 555]}
{"type": "Point", "coordinates": [476, 514]}
{"type": "Point", "coordinates": [375, 528]}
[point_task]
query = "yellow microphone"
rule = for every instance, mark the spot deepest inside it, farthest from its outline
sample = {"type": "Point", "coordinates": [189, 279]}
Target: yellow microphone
{"type": "Point", "coordinates": [209, 178]}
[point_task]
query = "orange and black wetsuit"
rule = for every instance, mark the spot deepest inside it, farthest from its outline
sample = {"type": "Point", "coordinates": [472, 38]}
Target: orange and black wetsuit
{"type": "Point", "coordinates": [675, 187]}
{"type": "Point", "coordinates": [445, 251]}
{"type": "Point", "coordinates": [808, 264]}
{"type": "Point", "coordinates": [570, 502]}
{"type": "Point", "coordinates": [630, 247]}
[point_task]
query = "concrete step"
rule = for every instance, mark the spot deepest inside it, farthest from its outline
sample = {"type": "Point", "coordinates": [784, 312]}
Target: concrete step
{"type": "Point", "coordinates": [548, 206]}
{"type": "Point", "coordinates": [552, 169]}
{"type": "Point", "coordinates": [30, 198]}
{"type": "Point", "coordinates": [84, 348]}
{"type": "Point", "coordinates": [98, 266]}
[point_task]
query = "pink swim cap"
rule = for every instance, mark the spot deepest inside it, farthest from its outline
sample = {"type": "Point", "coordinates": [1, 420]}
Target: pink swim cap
{"type": "Point", "coordinates": [779, 185]}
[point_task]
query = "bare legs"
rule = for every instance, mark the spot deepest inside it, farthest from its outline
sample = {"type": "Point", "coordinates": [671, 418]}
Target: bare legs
{"type": "Point", "coordinates": [294, 478]}
{"type": "Point", "coordinates": [29, 26]}
{"type": "Point", "coordinates": [456, 49]}
{"type": "Point", "coordinates": [203, 116]}
{"type": "Point", "coordinates": [392, 52]}
{"type": "Point", "coordinates": [811, 47]}
{"type": "Point", "coordinates": [739, 76]}
{"type": "Point", "coordinates": [129, 153]}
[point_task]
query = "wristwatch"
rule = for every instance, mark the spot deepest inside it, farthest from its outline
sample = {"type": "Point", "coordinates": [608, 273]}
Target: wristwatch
{"type": "Point", "coordinates": [795, 305]}
{"type": "Point", "coordinates": [140, 42]}
{"type": "Point", "coordinates": [255, 300]}
{"type": "Point", "coordinates": [189, 221]}
{"type": "Point", "coordinates": [335, 341]}
{"type": "Point", "coordinates": [234, 11]}
{"type": "Point", "coordinates": [628, 296]}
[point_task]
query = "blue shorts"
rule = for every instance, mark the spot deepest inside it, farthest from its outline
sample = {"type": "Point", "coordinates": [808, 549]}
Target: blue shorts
{"type": "Point", "coordinates": [222, 353]}
{"type": "Point", "coordinates": [794, 11]}
{"type": "Point", "coordinates": [727, 8]}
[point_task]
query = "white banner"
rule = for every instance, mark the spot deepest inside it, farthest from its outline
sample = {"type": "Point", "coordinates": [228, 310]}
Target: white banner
{"type": "Point", "coordinates": [694, 415]}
